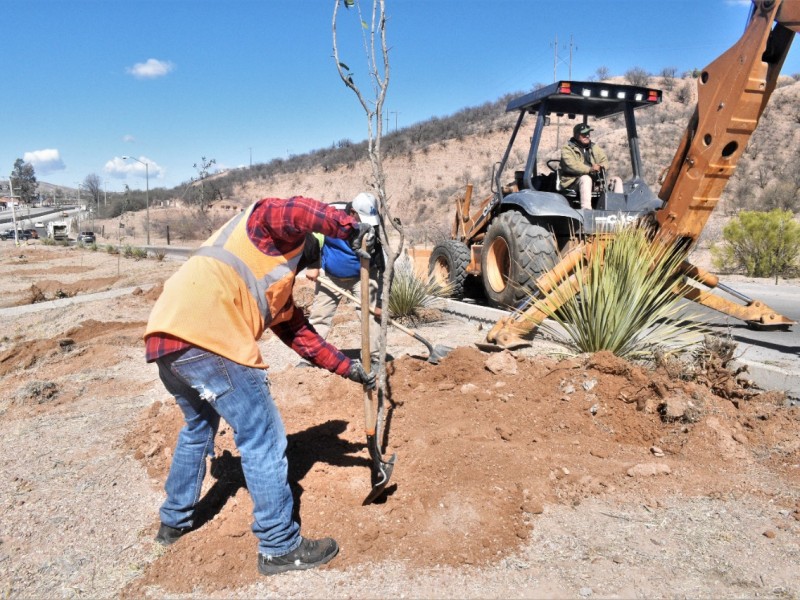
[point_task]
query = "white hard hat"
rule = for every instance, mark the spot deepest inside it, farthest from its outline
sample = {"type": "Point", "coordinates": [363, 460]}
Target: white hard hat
{"type": "Point", "coordinates": [366, 206]}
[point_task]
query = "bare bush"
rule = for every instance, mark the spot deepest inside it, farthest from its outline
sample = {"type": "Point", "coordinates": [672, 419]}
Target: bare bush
{"type": "Point", "coordinates": [668, 78]}
{"type": "Point", "coordinates": [685, 93]}
{"type": "Point", "coordinates": [637, 76]}
{"type": "Point", "coordinates": [781, 194]}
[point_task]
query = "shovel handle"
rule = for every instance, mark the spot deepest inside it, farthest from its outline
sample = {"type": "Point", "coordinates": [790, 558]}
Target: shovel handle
{"type": "Point", "coordinates": [370, 408]}
{"type": "Point", "coordinates": [332, 286]}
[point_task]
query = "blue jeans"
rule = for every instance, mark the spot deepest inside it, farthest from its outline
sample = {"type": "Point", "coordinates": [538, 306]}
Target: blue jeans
{"type": "Point", "coordinates": [206, 387]}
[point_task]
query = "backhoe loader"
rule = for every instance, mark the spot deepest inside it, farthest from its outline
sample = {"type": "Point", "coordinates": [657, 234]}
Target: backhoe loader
{"type": "Point", "coordinates": [530, 233]}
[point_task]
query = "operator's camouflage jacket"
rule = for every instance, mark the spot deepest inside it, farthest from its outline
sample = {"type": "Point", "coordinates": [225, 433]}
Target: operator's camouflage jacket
{"type": "Point", "coordinates": [573, 164]}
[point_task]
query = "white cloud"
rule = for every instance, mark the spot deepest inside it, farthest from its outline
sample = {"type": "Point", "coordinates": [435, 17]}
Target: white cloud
{"type": "Point", "coordinates": [45, 161]}
{"type": "Point", "coordinates": [128, 138]}
{"type": "Point", "coordinates": [119, 168]}
{"type": "Point", "coordinates": [151, 69]}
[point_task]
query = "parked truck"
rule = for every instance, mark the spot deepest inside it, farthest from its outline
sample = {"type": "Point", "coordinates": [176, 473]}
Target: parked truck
{"type": "Point", "coordinates": [58, 230]}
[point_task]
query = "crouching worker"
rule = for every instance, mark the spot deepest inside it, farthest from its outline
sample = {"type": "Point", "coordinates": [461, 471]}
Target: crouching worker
{"type": "Point", "coordinates": [203, 333]}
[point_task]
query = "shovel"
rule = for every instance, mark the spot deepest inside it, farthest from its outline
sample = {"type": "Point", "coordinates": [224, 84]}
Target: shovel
{"type": "Point", "coordinates": [373, 410]}
{"type": "Point", "coordinates": [435, 353]}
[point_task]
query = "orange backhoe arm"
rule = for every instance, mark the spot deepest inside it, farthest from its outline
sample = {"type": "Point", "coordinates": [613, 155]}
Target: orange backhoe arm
{"type": "Point", "coordinates": [556, 286]}
{"type": "Point", "coordinates": [732, 94]}
{"type": "Point", "coordinates": [517, 329]}
{"type": "Point", "coordinates": [754, 312]}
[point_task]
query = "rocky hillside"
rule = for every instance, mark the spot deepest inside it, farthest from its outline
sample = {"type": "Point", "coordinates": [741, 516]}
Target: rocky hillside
{"type": "Point", "coordinates": [429, 164]}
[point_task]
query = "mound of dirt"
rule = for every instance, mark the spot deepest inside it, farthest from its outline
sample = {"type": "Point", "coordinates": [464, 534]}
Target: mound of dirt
{"type": "Point", "coordinates": [485, 442]}
{"type": "Point", "coordinates": [43, 291]}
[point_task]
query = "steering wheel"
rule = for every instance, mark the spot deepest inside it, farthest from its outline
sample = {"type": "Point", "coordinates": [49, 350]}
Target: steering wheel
{"type": "Point", "coordinates": [553, 164]}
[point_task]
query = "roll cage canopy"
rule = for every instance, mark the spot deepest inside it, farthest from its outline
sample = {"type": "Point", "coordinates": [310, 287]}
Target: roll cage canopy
{"type": "Point", "coordinates": [594, 99]}
{"type": "Point", "coordinates": [572, 98]}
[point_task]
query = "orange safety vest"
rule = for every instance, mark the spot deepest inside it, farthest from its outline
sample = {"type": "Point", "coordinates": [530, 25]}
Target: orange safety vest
{"type": "Point", "coordinates": [226, 294]}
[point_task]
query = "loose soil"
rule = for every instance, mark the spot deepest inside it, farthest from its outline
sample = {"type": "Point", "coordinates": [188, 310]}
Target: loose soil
{"type": "Point", "coordinates": [517, 474]}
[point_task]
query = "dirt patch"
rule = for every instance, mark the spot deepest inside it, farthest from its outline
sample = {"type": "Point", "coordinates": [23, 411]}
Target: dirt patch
{"type": "Point", "coordinates": [76, 342]}
{"type": "Point", "coordinates": [484, 443]}
{"type": "Point", "coordinates": [44, 291]}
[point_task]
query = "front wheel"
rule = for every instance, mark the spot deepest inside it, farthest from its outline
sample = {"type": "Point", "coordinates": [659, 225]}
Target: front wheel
{"type": "Point", "coordinates": [448, 266]}
{"type": "Point", "coordinates": [515, 254]}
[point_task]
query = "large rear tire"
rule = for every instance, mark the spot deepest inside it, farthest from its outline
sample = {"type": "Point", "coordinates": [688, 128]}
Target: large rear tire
{"type": "Point", "coordinates": [515, 253]}
{"type": "Point", "coordinates": [448, 265]}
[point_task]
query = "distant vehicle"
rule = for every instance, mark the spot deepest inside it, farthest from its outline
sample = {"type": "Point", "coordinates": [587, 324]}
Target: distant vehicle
{"type": "Point", "coordinates": [57, 230]}
{"type": "Point", "coordinates": [39, 224]}
{"type": "Point", "coordinates": [87, 237]}
{"type": "Point", "coordinates": [64, 213]}
{"type": "Point", "coordinates": [32, 233]}
{"type": "Point", "coordinates": [21, 234]}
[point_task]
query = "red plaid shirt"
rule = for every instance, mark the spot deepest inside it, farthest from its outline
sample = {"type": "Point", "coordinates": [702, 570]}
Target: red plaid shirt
{"type": "Point", "coordinates": [277, 226]}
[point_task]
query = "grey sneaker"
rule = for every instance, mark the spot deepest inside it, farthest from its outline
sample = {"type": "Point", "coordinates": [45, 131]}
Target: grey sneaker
{"type": "Point", "coordinates": [309, 554]}
{"type": "Point", "coordinates": [169, 535]}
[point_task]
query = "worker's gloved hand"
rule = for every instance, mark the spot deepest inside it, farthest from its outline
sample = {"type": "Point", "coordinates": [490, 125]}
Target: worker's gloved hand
{"type": "Point", "coordinates": [359, 375]}
{"type": "Point", "coordinates": [360, 233]}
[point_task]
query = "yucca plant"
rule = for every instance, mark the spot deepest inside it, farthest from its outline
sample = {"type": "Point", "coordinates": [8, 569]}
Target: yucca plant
{"type": "Point", "coordinates": [412, 292]}
{"type": "Point", "coordinates": [629, 299]}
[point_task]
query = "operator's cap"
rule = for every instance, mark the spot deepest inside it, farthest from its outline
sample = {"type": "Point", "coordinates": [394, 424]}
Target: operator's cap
{"type": "Point", "coordinates": [367, 208]}
{"type": "Point", "coordinates": [581, 129]}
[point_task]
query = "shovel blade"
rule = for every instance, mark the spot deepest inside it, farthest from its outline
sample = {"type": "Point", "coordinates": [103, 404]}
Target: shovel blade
{"type": "Point", "coordinates": [381, 470]}
{"type": "Point", "coordinates": [438, 352]}
{"type": "Point", "coordinates": [380, 479]}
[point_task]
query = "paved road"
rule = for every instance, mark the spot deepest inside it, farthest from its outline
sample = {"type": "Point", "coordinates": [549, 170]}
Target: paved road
{"type": "Point", "coordinates": [772, 357]}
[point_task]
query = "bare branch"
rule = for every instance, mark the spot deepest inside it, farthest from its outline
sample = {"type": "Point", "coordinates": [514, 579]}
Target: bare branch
{"type": "Point", "coordinates": [373, 109]}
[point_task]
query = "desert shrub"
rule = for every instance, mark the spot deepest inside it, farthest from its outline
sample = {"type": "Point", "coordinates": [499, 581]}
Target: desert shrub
{"type": "Point", "coordinates": [637, 76]}
{"type": "Point", "coordinates": [159, 254]}
{"type": "Point", "coordinates": [762, 244]}
{"type": "Point", "coordinates": [685, 93]}
{"type": "Point", "coordinates": [127, 251]}
{"type": "Point", "coordinates": [783, 195]}
{"type": "Point", "coordinates": [411, 292]}
{"type": "Point", "coordinates": [138, 253]}
{"type": "Point", "coordinates": [38, 392]}
{"type": "Point", "coordinates": [48, 241]}
{"type": "Point", "coordinates": [668, 75]}
{"type": "Point", "coordinates": [112, 249]}
{"type": "Point", "coordinates": [626, 301]}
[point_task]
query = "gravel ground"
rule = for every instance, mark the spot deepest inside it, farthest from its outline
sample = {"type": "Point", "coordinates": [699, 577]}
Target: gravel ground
{"type": "Point", "coordinates": [78, 512]}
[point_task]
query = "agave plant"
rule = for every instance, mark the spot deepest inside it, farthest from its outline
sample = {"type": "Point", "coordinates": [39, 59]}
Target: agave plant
{"type": "Point", "coordinates": [412, 291]}
{"type": "Point", "coordinates": [628, 301]}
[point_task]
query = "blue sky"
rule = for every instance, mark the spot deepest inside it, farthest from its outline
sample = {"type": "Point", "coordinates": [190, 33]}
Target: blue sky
{"type": "Point", "coordinates": [86, 82]}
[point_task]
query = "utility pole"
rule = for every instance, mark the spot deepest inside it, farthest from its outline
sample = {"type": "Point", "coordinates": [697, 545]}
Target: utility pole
{"type": "Point", "coordinates": [395, 113]}
{"type": "Point", "coordinates": [13, 211]}
{"type": "Point", "coordinates": [555, 77]}
{"type": "Point", "coordinates": [570, 56]}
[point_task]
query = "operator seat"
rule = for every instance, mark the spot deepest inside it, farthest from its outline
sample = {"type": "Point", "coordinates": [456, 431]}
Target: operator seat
{"type": "Point", "coordinates": [572, 194]}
